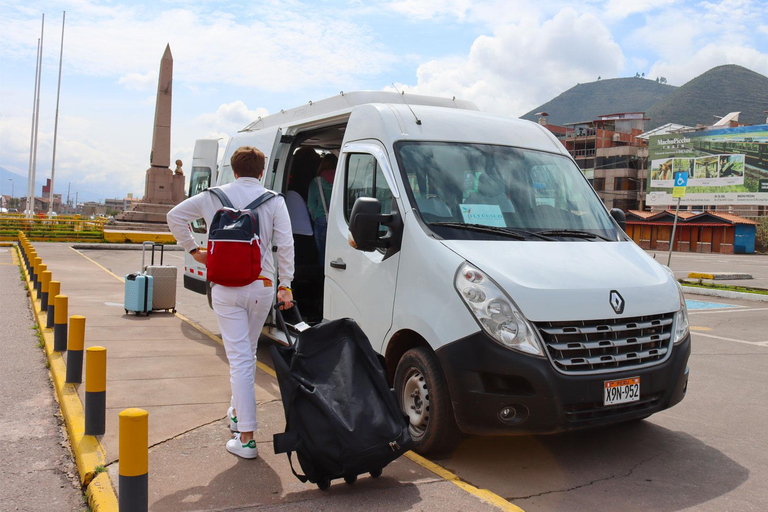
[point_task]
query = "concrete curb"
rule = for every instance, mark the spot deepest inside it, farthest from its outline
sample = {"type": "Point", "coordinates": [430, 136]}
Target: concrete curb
{"type": "Point", "coordinates": [725, 294]}
{"type": "Point", "coordinates": [137, 236]}
{"type": "Point", "coordinates": [89, 453]}
{"type": "Point", "coordinates": [121, 247]}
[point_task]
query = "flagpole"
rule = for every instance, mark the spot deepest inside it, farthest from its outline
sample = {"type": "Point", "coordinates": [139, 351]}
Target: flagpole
{"type": "Point", "coordinates": [37, 117]}
{"type": "Point", "coordinates": [56, 123]}
{"type": "Point", "coordinates": [32, 130]}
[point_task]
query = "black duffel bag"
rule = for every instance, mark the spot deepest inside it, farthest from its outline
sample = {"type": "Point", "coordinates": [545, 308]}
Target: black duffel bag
{"type": "Point", "coordinates": [342, 419]}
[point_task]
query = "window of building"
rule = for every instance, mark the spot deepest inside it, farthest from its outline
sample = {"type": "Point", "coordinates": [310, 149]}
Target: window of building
{"type": "Point", "coordinates": [599, 183]}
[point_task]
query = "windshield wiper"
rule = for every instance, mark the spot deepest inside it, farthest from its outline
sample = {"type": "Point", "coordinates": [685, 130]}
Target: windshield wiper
{"type": "Point", "coordinates": [573, 233]}
{"type": "Point", "coordinates": [517, 234]}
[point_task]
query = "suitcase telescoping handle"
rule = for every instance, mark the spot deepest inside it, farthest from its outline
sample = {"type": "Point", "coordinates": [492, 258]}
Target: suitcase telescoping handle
{"type": "Point", "coordinates": [162, 248]}
{"type": "Point", "coordinates": [143, 252]}
{"type": "Point", "coordinates": [300, 325]}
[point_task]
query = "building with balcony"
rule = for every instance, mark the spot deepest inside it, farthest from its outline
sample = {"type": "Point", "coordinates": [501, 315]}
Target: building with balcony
{"type": "Point", "coordinates": [612, 157]}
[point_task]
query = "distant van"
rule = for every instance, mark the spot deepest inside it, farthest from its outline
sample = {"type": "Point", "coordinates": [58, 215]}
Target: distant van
{"type": "Point", "coordinates": [501, 294]}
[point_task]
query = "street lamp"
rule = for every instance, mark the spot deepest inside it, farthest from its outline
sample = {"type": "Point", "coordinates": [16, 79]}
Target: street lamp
{"type": "Point", "coordinates": [11, 180]}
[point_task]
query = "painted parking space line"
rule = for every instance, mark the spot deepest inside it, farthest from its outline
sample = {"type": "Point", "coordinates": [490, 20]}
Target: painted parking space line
{"type": "Point", "coordinates": [700, 304]}
{"type": "Point", "coordinates": [723, 338]}
{"type": "Point", "coordinates": [730, 310]}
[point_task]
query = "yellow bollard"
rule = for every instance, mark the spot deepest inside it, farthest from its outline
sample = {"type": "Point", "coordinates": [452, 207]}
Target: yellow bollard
{"type": "Point", "coordinates": [95, 390]}
{"type": "Point", "coordinates": [54, 289]}
{"type": "Point", "coordinates": [134, 460]}
{"type": "Point", "coordinates": [45, 280]}
{"type": "Point", "coordinates": [39, 283]}
{"type": "Point", "coordinates": [75, 346]}
{"type": "Point", "coordinates": [35, 263]}
{"type": "Point", "coordinates": [61, 303]}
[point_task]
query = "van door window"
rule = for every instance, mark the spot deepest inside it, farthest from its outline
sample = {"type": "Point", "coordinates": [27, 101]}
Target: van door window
{"type": "Point", "coordinates": [365, 179]}
{"type": "Point", "coordinates": [199, 181]}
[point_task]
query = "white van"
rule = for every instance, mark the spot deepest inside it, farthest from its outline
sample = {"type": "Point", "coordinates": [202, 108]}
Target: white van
{"type": "Point", "coordinates": [501, 294]}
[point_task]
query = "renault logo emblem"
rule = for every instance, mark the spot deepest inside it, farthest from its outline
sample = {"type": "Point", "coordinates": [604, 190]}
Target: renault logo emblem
{"type": "Point", "coordinates": [617, 302]}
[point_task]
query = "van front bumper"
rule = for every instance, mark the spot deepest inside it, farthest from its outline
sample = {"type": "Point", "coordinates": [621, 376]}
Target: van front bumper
{"type": "Point", "coordinates": [497, 391]}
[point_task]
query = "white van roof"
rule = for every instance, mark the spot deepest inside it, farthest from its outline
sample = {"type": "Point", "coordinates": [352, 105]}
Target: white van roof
{"type": "Point", "coordinates": [344, 102]}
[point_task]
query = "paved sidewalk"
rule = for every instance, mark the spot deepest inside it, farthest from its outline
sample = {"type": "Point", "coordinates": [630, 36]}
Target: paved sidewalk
{"type": "Point", "coordinates": [36, 469]}
{"type": "Point", "coordinates": [180, 375]}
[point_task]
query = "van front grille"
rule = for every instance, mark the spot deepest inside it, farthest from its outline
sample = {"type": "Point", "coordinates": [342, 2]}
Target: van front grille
{"type": "Point", "coordinates": [598, 346]}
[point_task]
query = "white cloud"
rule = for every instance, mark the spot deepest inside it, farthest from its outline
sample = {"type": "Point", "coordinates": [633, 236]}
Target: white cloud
{"type": "Point", "coordinates": [271, 49]}
{"type": "Point", "coordinates": [229, 118]}
{"type": "Point", "coordinates": [620, 9]}
{"type": "Point", "coordinates": [523, 65]}
{"type": "Point", "coordinates": [428, 9]}
{"type": "Point", "coordinates": [139, 81]}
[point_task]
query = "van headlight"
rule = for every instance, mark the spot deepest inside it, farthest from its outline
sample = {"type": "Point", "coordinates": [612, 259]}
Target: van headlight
{"type": "Point", "coordinates": [682, 328]}
{"type": "Point", "coordinates": [495, 312]}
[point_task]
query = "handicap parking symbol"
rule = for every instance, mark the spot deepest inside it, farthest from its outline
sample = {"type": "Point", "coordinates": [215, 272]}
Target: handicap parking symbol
{"type": "Point", "coordinates": [681, 179]}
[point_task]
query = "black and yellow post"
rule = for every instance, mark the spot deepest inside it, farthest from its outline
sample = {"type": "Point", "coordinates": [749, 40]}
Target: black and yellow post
{"type": "Point", "coordinates": [134, 460]}
{"type": "Point", "coordinates": [31, 262]}
{"type": "Point", "coordinates": [75, 346]}
{"type": "Point", "coordinates": [45, 280]}
{"type": "Point", "coordinates": [39, 285]}
{"type": "Point", "coordinates": [61, 303]}
{"type": "Point", "coordinates": [54, 289]}
{"type": "Point", "coordinates": [95, 390]}
{"type": "Point", "coordinates": [36, 263]}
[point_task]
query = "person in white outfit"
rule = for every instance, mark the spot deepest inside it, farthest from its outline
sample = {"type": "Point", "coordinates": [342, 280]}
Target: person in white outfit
{"type": "Point", "coordinates": [242, 310]}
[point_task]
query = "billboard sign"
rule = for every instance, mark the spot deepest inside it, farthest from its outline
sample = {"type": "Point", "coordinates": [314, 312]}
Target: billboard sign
{"type": "Point", "coordinates": [724, 166]}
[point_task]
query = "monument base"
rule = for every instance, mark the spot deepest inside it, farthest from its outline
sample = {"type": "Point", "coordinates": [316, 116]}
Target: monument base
{"type": "Point", "coordinates": [145, 212]}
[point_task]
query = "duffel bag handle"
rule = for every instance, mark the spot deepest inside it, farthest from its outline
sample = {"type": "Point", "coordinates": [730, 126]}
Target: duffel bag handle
{"type": "Point", "coordinates": [299, 326]}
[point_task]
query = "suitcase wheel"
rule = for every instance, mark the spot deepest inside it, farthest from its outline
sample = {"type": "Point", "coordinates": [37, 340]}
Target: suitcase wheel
{"type": "Point", "coordinates": [324, 484]}
{"type": "Point", "coordinates": [126, 311]}
{"type": "Point", "coordinates": [350, 479]}
{"type": "Point", "coordinates": [376, 473]}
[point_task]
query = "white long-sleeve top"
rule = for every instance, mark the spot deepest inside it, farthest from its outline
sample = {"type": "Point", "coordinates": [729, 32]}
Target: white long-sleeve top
{"type": "Point", "coordinates": [274, 223]}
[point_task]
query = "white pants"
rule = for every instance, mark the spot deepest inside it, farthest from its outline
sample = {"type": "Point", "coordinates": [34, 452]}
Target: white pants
{"type": "Point", "coordinates": [241, 312]}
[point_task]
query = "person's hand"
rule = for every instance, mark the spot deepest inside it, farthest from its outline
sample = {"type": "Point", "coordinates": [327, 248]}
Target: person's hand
{"type": "Point", "coordinates": [201, 256]}
{"type": "Point", "coordinates": [285, 295]}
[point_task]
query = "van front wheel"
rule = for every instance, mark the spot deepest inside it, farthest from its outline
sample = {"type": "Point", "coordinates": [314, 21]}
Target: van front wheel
{"type": "Point", "coordinates": [424, 398]}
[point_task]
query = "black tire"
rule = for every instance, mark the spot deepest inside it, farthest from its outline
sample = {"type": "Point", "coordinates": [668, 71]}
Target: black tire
{"type": "Point", "coordinates": [350, 479]}
{"type": "Point", "coordinates": [423, 395]}
{"type": "Point", "coordinates": [376, 473]}
{"type": "Point", "coordinates": [324, 484]}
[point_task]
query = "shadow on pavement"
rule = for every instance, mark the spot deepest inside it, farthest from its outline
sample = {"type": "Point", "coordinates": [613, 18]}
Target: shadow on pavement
{"type": "Point", "coordinates": [631, 466]}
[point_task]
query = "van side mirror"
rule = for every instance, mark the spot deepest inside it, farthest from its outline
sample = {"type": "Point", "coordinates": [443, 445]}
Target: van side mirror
{"type": "Point", "coordinates": [364, 224]}
{"type": "Point", "coordinates": [620, 218]}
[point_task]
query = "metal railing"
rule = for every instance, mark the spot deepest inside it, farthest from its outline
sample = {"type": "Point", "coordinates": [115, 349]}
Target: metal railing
{"type": "Point", "coordinates": [55, 229]}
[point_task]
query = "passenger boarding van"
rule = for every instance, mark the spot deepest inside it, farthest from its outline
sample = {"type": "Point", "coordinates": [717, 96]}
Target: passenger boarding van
{"type": "Point", "coordinates": [501, 294]}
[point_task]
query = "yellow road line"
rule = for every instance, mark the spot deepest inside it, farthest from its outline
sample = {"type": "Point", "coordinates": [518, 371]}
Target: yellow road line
{"type": "Point", "coordinates": [102, 267]}
{"type": "Point", "coordinates": [694, 328]}
{"type": "Point", "coordinates": [483, 494]}
{"type": "Point", "coordinates": [89, 453]}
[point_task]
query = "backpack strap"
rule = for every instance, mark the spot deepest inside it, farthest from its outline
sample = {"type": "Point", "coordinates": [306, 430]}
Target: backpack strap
{"type": "Point", "coordinates": [266, 196]}
{"type": "Point", "coordinates": [222, 197]}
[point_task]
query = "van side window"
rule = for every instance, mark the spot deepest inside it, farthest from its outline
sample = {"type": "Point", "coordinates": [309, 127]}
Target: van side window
{"type": "Point", "coordinates": [365, 179]}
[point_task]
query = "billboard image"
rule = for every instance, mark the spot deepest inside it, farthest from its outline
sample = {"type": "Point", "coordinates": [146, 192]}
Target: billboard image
{"type": "Point", "coordinates": [724, 166]}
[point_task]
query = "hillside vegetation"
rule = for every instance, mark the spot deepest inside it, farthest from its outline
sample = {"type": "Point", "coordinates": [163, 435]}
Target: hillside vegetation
{"type": "Point", "coordinates": [585, 102]}
{"type": "Point", "coordinates": [717, 92]}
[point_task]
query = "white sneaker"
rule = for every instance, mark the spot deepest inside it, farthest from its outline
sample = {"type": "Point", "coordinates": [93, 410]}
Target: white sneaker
{"type": "Point", "coordinates": [232, 420]}
{"type": "Point", "coordinates": [246, 451]}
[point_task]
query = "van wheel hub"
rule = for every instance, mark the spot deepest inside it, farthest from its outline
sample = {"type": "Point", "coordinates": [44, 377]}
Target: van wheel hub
{"type": "Point", "coordinates": [415, 400]}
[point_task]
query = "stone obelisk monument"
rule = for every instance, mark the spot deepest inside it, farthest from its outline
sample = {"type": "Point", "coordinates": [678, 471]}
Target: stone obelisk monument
{"type": "Point", "coordinates": [162, 188]}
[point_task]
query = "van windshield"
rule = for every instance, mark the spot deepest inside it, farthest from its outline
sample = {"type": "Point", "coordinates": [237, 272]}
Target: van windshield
{"type": "Point", "coordinates": [480, 190]}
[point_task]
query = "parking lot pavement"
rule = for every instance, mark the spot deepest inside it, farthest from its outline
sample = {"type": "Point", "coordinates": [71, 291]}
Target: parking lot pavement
{"type": "Point", "coordinates": [685, 262]}
{"type": "Point", "coordinates": [707, 453]}
{"type": "Point", "coordinates": [180, 376]}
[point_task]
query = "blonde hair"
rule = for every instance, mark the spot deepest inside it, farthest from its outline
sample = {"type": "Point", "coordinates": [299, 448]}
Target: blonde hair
{"type": "Point", "coordinates": [248, 162]}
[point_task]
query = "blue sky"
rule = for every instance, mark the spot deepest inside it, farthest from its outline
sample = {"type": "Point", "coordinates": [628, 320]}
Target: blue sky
{"type": "Point", "coordinates": [236, 60]}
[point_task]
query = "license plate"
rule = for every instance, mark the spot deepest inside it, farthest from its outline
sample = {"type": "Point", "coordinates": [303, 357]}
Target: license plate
{"type": "Point", "coordinates": [621, 391]}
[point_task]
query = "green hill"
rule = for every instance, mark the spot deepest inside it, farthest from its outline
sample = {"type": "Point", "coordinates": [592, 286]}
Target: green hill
{"type": "Point", "coordinates": [717, 92]}
{"type": "Point", "coordinates": [585, 102]}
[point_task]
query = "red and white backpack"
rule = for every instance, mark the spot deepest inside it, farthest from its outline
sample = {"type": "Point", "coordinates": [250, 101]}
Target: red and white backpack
{"type": "Point", "coordinates": [234, 253]}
